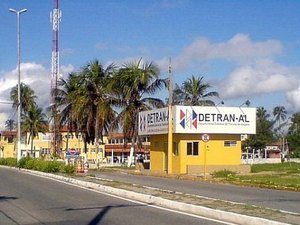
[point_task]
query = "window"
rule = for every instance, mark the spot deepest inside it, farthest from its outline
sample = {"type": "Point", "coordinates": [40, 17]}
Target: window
{"type": "Point", "coordinates": [45, 151]}
{"type": "Point", "coordinates": [175, 149]}
{"type": "Point", "coordinates": [145, 139]}
{"type": "Point", "coordinates": [229, 143]}
{"type": "Point", "coordinates": [192, 148]}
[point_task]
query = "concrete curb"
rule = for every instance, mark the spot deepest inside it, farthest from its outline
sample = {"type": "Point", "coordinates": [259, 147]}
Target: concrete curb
{"type": "Point", "coordinates": [175, 205]}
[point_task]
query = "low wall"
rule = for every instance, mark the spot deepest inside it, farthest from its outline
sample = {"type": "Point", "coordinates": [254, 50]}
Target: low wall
{"type": "Point", "coordinates": [260, 160]}
{"type": "Point", "coordinates": [296, 160]}
{"type": "Point", "coordinates": [268, 160]}
{"type": "Point", "coordinates": [199, 169]}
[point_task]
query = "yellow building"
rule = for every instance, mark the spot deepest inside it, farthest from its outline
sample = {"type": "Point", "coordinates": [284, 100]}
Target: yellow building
{"type": "Point", "coordinates": [203, 138]}
{"type": "Point", "coordinates": [7, 144]}
{"type": "Point", "coordinates": [42, 146]}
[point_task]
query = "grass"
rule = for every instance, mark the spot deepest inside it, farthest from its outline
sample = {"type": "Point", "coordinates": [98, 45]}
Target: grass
{"type": "Point", "coordinates": [289, 167]}
{"type": "Point", "coordinates": [284, 176]}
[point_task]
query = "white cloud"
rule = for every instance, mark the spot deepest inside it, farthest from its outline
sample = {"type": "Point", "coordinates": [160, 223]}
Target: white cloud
{"type": "Point", "coordinates": [239, 48]}
{"type": "Point", "coordinates": [262, 77]}
{"type": "Point", "coordinates": [67, 51]}
{"type": "Point", "coordinates": [256, 74]}
{"type": "Point", "coordinates": [33, 74]}
{"type": "Point", "coordinates": [293, 99]}
{"type": "Point", "coordinates": [65, 70]}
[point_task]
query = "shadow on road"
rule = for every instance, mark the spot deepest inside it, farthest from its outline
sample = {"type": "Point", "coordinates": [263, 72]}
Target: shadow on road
{"type": "Point", "coordinates": [102, 213]}
{"type": "Point", "coordinates": [4, 198]}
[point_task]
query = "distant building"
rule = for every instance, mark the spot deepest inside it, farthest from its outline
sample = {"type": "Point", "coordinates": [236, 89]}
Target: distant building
{"type": "Point", "coordinates": [118, 147]}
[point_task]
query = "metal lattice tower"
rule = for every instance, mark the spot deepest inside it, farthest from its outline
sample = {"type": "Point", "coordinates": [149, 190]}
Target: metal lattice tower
{"type": "Point", "coordinates": [55, 19]}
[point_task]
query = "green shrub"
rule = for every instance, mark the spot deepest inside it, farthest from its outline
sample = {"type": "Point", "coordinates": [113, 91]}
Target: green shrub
{"type": "Point", "coordinates": [22, 162]}
{"type": "Point", "coordinates": [8, 162]}
{"type": "Point", "coordinates": [69, 169]}
{"type": "Point", "coordinates": [52, 167]}
{"type": "Point", "coordinates": [30, 164]}
{"type": "Point", "coordinates": [39, 165]}
{"type": "Point", "coordinates": [224, 174]}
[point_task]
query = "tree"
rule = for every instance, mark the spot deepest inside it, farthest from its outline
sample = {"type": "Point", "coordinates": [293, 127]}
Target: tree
{"type": "Point", "coordinates": [10, 124]}
{"type": "Point", "coordinates": [65, 96]}
{"type": "Point", "coordinates": [26, 95]}
{"type": "Point", "coordinates": [279, 113]}
{"type": "Point", "coordinates": [264, 134]}
{"type": "Point", "coordinates": [193, 92]}
{"type": "Point", "coordinates": [134, 84]}
{"type": "Point", "coordinates": [293, 136]}
{"type": "Point", "coordinates": [92, 103]}
{"type": "Point", "coordinates": [34, 122]}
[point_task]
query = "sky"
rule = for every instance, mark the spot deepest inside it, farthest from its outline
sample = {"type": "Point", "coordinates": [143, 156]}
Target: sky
{"type": "Point", "coordinates": [246, 50]}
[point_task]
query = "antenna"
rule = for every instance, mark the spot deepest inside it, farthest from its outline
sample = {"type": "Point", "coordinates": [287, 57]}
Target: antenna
{"type": "Point", "coordinates": [55, 19]}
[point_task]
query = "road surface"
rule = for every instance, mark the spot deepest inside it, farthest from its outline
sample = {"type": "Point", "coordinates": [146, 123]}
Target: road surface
{"type": "Point", "coordinates": [276, 199]}
{"type": "Point", "coordinates": [32, 200]}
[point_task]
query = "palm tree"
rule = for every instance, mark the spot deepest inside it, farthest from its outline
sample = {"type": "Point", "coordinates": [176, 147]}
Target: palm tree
{"type": "Point", "coordinates": [26, 95]}
{"type": "Point", "coordinates": [294, 134]}
{"type": "Point", "coordinates": [10, 124]}
{"type": "Point", "coordinates": [34, 122]}
{"type": "Point", "coordinates": [193, 92]}
{"type": "Point", "coordinates": [92, 105]}
{"type": "Point", "coordinates": [279, 113]}
{"type": "Point", "coordinates": [134, 84]}
{"type": "Point", "coordinates": [65, 95]}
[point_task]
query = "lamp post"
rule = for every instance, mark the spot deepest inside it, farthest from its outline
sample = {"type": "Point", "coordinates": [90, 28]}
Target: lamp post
{"type": "Point", "coordinates": [18, 12]}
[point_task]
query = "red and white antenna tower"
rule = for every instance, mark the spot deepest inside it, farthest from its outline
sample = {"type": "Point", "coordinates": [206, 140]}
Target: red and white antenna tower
{"type": "Point", "coordinates": [55, 18]}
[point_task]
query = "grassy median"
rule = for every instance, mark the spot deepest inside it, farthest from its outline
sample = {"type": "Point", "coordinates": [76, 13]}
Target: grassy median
{"type": "Point", "coordinates": [284, 176]}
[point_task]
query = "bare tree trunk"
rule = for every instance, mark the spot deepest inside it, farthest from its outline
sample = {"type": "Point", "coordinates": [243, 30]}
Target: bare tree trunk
{"type": "Point", "coordinates": [97, 138]}
{"type": "Point", "coordinates": [31, 147]}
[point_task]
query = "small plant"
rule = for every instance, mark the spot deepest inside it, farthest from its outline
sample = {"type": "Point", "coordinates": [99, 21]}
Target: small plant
{"type": "Point", "coordinates": [227, 174]}
{"type": "Point", "coordinates": [69, 169]}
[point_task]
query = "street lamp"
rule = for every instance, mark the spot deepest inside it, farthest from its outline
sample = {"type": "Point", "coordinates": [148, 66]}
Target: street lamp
{"type": "Point", "coordinates": [19, 78]}
{"type": "Point", "coordinates": [247, 103]}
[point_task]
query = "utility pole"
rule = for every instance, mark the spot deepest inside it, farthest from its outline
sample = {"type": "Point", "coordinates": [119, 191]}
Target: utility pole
{"type": "Point", "coordinates": [55, 18]}
{"type": "Point", "coordinates": [18, 13]}
{"type": "Point", "coordinates": [170, 130]}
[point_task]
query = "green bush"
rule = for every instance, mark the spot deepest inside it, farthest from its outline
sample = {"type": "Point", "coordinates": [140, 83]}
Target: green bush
{"type": "Point", "coordinates": [224, 174]}
{"type": "Point", "coordinates": [69, 169]}
{"type": "Point", "coordinates": [8, 162]}
{"type": "Point", "coordinates": [52, 166]}
{"type": "Point", "coordinates": [39, 165]}
{"type": "Point", "coordinates": [22, 162]}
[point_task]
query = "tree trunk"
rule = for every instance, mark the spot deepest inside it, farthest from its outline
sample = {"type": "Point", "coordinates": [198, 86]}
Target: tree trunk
{"type": "Point", "coordinates": [31, 146]}
{"type": "Point", "coordinates": [97, 138]}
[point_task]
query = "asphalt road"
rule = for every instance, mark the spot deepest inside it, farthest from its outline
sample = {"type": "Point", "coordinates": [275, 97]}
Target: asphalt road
{"type": "Point", "coordinates": [29, 199]}
{"type": "Point", "coordinates": [282, 200]}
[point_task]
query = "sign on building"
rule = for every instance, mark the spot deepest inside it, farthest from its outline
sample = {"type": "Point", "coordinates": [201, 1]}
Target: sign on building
{"type": "Point", "coordinates": [199, 119]}
{"type": "Point", "coordinates": [154, 121]}
{"type": "Point", "coordinates": [212, 120]}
